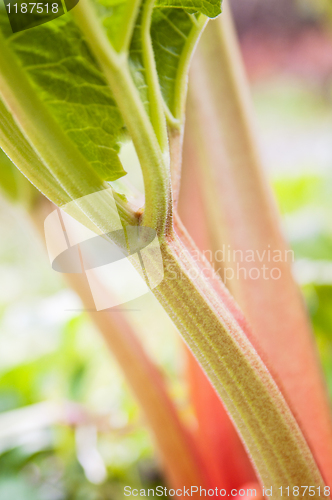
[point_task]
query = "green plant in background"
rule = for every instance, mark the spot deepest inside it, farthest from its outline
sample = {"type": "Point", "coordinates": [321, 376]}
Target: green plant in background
{"type": "Point", "coordinates": [71, 91]}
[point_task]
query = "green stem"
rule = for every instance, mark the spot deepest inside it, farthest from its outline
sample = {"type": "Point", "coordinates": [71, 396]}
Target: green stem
{"type": "Point", "coordinates": [154, 162]}
{"type": "Point", "coordinates": [183, 68]}
{"type": "Point", "coordinates": [128, 24]}
{"type": "Point", "coordinates": [156, 107]}
{"type": "Point", "coordinates": [175, 118]}
{"type": "Point", "coordinates": [265, 423]}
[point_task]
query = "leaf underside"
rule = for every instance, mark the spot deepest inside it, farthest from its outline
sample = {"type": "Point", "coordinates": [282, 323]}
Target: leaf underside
{"type": "Point", "coordinates": [170, 31]}
{"type": "Point", "coordinates": [67, 78]}
{"type": "Point", "coordinates": [71, 85]}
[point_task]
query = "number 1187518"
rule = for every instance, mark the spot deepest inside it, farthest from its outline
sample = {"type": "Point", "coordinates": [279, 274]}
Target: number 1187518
{"type": "Point", "coordinates": [301, 491]}
{"type": "Point", "coordinates": [32, 8]}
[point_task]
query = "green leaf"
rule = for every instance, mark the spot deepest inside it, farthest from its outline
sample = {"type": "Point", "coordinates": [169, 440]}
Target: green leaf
{"type": "Point", "coordinates": [26, 159]}
{"type": "Point", "coordinates": [136, 62]}
{"type": "Point", "coordinates": [175, 27]}
{"type": "Point", "coordinates": [50, 160]}
{"type": "Point", "coordinates": [63, 69]}
{"type": "Point", "coordinates": [173, 32]}
{"type": "Point", "coordinates": [208, 8]}
{"type": "Point", "coordinates": [118, 17]}
{"type": "Point", "coordinates": [68, 80]}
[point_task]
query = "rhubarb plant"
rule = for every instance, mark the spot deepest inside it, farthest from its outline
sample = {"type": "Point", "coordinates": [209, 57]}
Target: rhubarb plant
{"type": "Point", "coordinates": [72, 91]}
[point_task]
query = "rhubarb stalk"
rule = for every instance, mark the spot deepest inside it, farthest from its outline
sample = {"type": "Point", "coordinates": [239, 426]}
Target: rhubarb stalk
{"type": "Point", "coordinates": [239, 202]}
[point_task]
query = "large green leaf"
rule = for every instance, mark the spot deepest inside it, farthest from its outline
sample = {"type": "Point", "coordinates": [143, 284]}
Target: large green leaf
{"type": "Point", "coordinates": [77, 85]}
{"type": "Point", "coordinates": [68, 80]}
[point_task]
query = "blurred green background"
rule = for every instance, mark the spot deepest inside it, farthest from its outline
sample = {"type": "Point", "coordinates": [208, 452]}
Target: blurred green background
{"type": "Point", "coordinates": [83, 436]}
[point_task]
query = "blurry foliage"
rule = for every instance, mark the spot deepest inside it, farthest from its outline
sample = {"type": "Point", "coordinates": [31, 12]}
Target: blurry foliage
{"type": "Point", "coordinates": [295, 193]}
{"type": "Point", "coordinates": [43, 464]}
{"type": "Point", "coordinates": [296, 126]}
{"type": "Point", "coordinates": [284, 17]}
{"type": "Point", "coordinates": [47, 356]}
